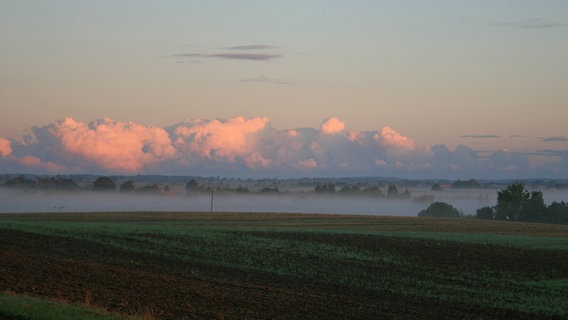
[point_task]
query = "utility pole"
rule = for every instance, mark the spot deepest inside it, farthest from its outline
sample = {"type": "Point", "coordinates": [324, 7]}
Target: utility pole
{"type": "Point", "coordinates": [212, 192]}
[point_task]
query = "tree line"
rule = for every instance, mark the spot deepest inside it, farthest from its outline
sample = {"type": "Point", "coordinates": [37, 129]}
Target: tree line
{"type": "Point", "coordinates": [514, 203]}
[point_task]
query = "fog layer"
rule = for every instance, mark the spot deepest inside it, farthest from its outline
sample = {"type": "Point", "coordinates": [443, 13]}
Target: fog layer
{"type": "Point", "coordinates": [468, 201]}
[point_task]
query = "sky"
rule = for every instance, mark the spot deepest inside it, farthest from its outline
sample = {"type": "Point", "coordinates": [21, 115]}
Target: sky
{"type": "Point", "coordinates": [411, 88]}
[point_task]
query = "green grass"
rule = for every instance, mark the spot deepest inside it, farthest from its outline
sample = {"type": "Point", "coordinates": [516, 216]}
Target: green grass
{"type": "Point", "coordinates": [28, 308]}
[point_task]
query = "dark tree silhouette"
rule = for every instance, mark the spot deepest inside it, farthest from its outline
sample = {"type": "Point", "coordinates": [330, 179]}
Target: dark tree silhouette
{"type": "Point", "coordinates": [127, 186]}
{"type": "Point", "coordinates": [485, 213]}
{"type": "Point", "coordinates": [21, 182]}
{"type": "Point", "coordinates": [467, 184]}
{"type": "Point", "coordinates": [518, 204]}
{"type": "Point", "coordinates": [149, 188]}
{"type": "Point", "coordinates": [374, 191]}
{"type": "Point", "coordinates": [436, 187]}
{"type": "Point", "coordinates": [269, 190]}
{"type": "Point", "coordinates": [392, 192]}
{"type": "Point", "coordinates": [510, 201]}
{"type": "Point", "coordinates": [534, 209]}
{"type": "Point", "coordinates": [104, 184]}
{"type": "Point", "coordinates": [440, 210]}
{"type": "Point", "coordinates": [557, 212]}
{"type": "Point", "coordinates": [192, 185]}
{"type": "Point", "coordinates": [325, 188]}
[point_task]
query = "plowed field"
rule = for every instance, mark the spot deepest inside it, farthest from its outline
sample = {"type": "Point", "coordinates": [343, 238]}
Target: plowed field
{"type": "Point", "coordinates": [260, 266]}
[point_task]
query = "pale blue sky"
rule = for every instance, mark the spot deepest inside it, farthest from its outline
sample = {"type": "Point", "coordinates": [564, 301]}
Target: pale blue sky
{"type": "Point", "coordinates": [435, 71]}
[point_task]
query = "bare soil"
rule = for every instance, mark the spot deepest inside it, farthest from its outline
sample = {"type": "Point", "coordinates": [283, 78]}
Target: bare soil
{"type": "Point", "coordinates": [157, 288]}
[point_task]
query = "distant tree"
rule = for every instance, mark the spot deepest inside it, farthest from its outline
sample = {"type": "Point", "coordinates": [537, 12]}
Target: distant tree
{"type": "Point", "coordinates": [149, 188]}
{"type": "Point", "coordinates": [485, 213]}
{"type": "Point", "coordinates": [468, 184]}
{"type": "Point", "coordinates": [406, 194]}
{"type": "Point", "coordinates": [127, 186]}
{"type": "Point", "coordinates": [557, 212]}
{"type": "Point", "coordinates": [374, 191]}
{"type": "Point", "coordinates": [440, 210]}
{"type": "Point", "coordinates": [392, 192]}
{"type": "Point", "coordinates": [325, 188]}
{"type": "Point", "coordinates": [241, 189]}
{"type": "Point", "coordinates": [21, 182]}
{"type": "Point", "coordinates": [58, 183]}
{"type": "Point", "coordinates": [167, 188]}
{"type": "Point", "coordinates": [425, 198]}
{"type": "Point", "coordinates": [269, 190]}
{"type": "Point", "coordinates": [46, 183]}
{"type": "Point", "coordinates": [104, 184]}
{"type": "Point", "coordinates": [350, 189]}
{"type": "Point", "coordinates": [192, 185]}
{"type": "Point", "coordinates": [66, 184]}
{"type": "Point", "coordinates": [436, 187]}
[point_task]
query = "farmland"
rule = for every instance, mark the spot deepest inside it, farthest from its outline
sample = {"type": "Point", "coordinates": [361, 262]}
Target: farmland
{"type": "Point", "coordinates": [175, 265]}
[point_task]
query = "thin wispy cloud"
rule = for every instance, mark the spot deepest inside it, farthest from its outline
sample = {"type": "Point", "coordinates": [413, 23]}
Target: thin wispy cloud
{"type": "Point", "coordinates": [246, 56]}
{"type": "Point", "coordinates": [520, 136]}
{"type": "Point", "coordinates": [555, 139]}
{"type": "Point", "coordinates": [232, 56]}
{"type": "Point", "coordinates": [538, 24]}
{"type": "Point", "coordinates": [545, 139]}
{"type": "Point", "coordinates": [481, 136]}
{"type": "Point", "coordinates": [521, 24]}
{"type": "Point", "coordinates": [251, 47]}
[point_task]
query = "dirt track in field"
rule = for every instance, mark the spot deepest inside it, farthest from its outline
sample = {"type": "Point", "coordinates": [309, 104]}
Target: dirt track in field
{"type": "Point", "coordinates": [137, 284]}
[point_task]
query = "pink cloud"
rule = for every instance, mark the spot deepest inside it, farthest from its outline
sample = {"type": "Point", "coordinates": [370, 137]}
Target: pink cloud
{"type": "Point", "coordinates": [226, 139]}
{"type": "Point", "coordinates": [256, 160]}
{"type": "Point", "coordinates": [5, 147]}
{"type": "Point", "coordinates": [116, 146]}
{"type": "Point", "coordinates": [36, 163]}
{"type": "Point", "coordinates": [332, 126]}
{"type": "Point", "coordinates": [391, 138]}
{"type": "Point", "coordinates": [223, 147]}
{"type": "Point", "coordinates": [380, 162]}
{"type": "Point", "coordinates": [308, 163]}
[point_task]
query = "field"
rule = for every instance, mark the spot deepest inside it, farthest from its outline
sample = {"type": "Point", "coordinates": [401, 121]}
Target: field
{"type": "Point", "coordinates": [285, 266]}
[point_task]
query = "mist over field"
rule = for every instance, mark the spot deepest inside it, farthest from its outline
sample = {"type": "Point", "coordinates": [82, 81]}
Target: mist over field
{"type": "Point", "coordinates": [468, 201]}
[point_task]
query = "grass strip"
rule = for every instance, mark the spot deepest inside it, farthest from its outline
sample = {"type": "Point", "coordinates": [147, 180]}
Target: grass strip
{"type": "Point", "coordinates": [29, 308]}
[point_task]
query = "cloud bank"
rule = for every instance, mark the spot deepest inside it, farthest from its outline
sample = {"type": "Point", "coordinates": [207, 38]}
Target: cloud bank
{"type": "Point", "coordinates": [252, 147]}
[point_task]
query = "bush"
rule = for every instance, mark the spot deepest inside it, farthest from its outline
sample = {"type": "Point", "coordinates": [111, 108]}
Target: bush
{"type": "Point", "coordinates": [440, 210]}
{"type": "Point", "coordinates": [485, 213]}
